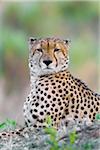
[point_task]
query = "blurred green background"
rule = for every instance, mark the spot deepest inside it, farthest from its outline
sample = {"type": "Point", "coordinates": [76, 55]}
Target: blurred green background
{"type": "Point", "coordinates": [76, 20]}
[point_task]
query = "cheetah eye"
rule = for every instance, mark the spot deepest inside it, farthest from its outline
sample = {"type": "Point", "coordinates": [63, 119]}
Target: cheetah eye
{"type": "Point", "coordinates": [39, 50]}
{"type": "Point", "coordinates": [56, 49]}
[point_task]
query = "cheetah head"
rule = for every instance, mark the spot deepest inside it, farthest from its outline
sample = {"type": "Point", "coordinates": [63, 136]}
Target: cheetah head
{"type": "Point", "coordinates": [47, 56]}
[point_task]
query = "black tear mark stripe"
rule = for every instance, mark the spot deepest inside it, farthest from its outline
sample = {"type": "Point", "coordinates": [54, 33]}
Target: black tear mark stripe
{"type": "Point", "coordinates": [48, 44]}
{"type": "Point", "coordinates": [41, 52]}
{"type": "Point", "coordinates": [40, 58]}
{"type": "Point", "coordinates": [54, 55]}
{"type": "Point", "coordinates": [55, 59]}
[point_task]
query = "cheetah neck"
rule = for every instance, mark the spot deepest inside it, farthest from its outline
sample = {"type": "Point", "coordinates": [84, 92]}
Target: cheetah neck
{"type": "Point", "coordinates": [34, 78]}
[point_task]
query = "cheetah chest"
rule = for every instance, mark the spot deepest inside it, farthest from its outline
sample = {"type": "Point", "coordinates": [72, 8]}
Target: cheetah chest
{"type": "Point", "coordinates": [46, 98]}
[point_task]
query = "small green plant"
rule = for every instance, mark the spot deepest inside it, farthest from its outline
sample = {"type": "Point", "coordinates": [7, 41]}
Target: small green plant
{"type": "Point", "coordinates": [53, 139]}
{"type": "Point", "coordinates": [97, 116]}
{"type": "Point", "coordinates": [88, 146]}
{"type": "Point", "coordinates": [72, 137]}
{"type": "Point", "coordinates": [8, 124]}
{"type": "Point", "coordinates": [52, 132]}
{"type": "Point", "coordinates": [48, 121]}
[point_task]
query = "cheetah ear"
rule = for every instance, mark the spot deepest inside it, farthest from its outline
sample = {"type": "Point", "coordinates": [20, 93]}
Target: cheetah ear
{"type": "Point", "coordinates": [31, 40]}
{"type": "Point", "coordinates": [67, 41]}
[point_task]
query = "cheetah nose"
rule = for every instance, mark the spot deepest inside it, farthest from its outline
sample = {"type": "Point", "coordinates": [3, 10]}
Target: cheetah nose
{"type": "Point", "coordinates": [47, 62]}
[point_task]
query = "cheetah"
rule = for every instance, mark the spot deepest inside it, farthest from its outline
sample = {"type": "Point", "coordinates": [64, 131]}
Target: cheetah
{"type": "Point", "coordinates": [54, 90]}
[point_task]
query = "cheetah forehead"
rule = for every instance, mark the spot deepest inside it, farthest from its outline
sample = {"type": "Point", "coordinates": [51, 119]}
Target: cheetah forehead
{"type": "Point", "coordinates": [50, 43]}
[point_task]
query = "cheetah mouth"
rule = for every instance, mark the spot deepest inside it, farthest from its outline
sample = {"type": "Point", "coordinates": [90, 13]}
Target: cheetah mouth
{"type": "Point", "coordinates": [47, 68]}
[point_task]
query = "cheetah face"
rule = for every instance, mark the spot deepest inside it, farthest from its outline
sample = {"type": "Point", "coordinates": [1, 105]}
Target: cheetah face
{"type": "Point", "coordinates": [48, 55]}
